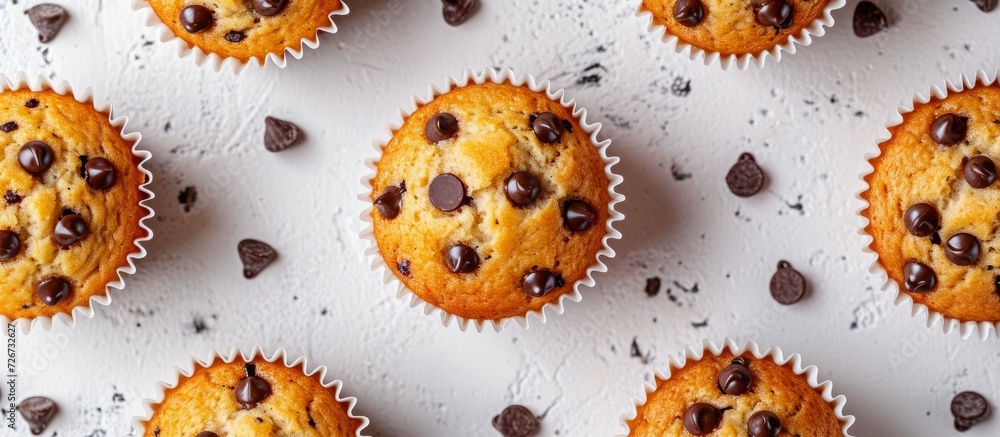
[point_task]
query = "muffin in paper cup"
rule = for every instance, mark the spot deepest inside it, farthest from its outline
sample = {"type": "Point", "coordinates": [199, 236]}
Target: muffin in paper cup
{"type": "Point", "coordinates": [709, 385]}
{"type": "Point", "coordinates": [736, 35]}
{"type": "Point", "coordinates": [229, 394]}
{"type": "Point", "coordinates": [74, 206]}
{"type": "Point", "coordinates": [492, 200]}
{"type": "Point", "coordinates": [239, 32]}
{"type": "Point", "coordinates": [929, 208]}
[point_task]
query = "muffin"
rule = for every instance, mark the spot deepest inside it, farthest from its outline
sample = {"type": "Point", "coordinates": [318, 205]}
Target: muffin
{"type": "Point", "coordinates": [247, 398]}
{"type": "Point", "coordinates": [727, 394]}
{"type": "Point", "coordinates": [934, 207]}
{"type": "Point", "coordinates": [491, 201]}
{"type": "Point", "coordinates": [70, 214]}
{"type": "Point", "coordinates": [246, 29]}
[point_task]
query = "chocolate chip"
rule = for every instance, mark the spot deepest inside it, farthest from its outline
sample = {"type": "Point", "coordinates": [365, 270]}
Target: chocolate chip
{"type": "Point", "coordinates": [252, 390]}
{"type": "Point", "coordinates": [457, 11]}
{"type": "Point", "coordinates": [48, 19]}
{"type": "Point", "coordinates": [985, 5]}
{"type": "Point", "coordinates": [390, 202]}
{"type": "Point", "coordinates": [980, 172]}
{"type": "Point", "coordinates": [207, 434]}
{"type": "Point", "coordinates": [918, 278]}
{"type": "Point", "coordinates": [53, 290]}
{"type": "Point", "coordinates": [787, 284]}
{"type": "Point", "coordinates": [70, 229]}
{"type": "Point", "coordinates": [235, 36]}
{"type": "Point", "coordinates": [516, 421]}
{"type": "Point", "coordinates": [8, 127]}
{"type": "Point", "coordinates": [279, 134]}
{"type": "Point", "coordinates": [255, 255]}
{"type": "Point", "coordinates": [949, 129]}
{"type": "Point", "coordinates": [31, 104]}
{"type": "Point", "coordinates": [522, 188]}
{"type": "Point", "coordinates": [11, 198]}
{"type": "Point", "coordinates": [547, 127]}
{"type": "Point", "coordinates": [447, 192]}
{"type": "Point", "coordinates": [689, 12]}
{"type": "Point", "coordinates": [461, 259]}
{"type": "Point", "coordinates": [38, 411]}
{"type": "Point", "coordinates": [404, 267]}
{"type": "Point", "coordinates": [764, 424]}
{"type": "Point", "coordinates": [735, 379]}
{"type": "Point", "coordinates": [921, 219]}
{"type": "Point", "coordinates": [701, 419]}
{"type": "Point", "coordinates": [962, 249]}
{"type": "Point", "coordinates": [578, 216]}
{"type": "Point", "coordinates": [10, 245]}
{"type": "Point", "coordinates": [441, 127]}
{"type": "Point", "coordinates": [540, 283]}
{"type": "Point", "coordinates": [35, 157]}
{"type": "Point", "coordinates": [196, 18]}
{"type": "Point", "coordinates": [745, 178]}
{"type": "Point", "coordinates": [869, 20]}
{"type": "Point", "coordinates": [100, 173]}
{"type": "Point", "coordinates": [268, 8]}
{"type": "Point", "coordinates": [652, 286]}
{"type": "Point", "coordinates": [968, 408]}
{"type": "Point", "coordinates": [774, 13]}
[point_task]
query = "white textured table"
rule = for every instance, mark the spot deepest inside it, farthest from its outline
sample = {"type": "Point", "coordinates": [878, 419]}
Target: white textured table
{"type": "Point", "coordinates": [808, 121]}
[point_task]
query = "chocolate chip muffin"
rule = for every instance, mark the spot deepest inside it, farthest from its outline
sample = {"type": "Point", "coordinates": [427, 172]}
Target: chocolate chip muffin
{"type": "Point", "coordinates": [934, 206]}
{"type": "Point", "coordinates": [728, 395]}
{"type": "Point", "coordinates": [255, 398]}
{"type": "Point", "coordinates": [734, 27]}
{"type": "Point", "coordinates": [245, 29]}
{"type": "Point", "coordinates": [490, 201]}
{"type": "Point", "coordinates": [70, 212]}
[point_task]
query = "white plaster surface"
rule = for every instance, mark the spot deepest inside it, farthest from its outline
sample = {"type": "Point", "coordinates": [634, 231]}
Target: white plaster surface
{"type": "Point", "coordinates": [808, 120]}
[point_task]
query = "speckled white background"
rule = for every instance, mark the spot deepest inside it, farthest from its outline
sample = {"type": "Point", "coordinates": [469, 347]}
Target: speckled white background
{"type": "Point", "coordinates": [678, 126]}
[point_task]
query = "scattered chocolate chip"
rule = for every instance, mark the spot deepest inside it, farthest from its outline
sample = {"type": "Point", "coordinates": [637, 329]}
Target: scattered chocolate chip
{"type": "Point", "coordinates": [787, 285]}
{"type": "Point", "coordinates": [235, 36]}
{"type": "Point", "coordinates": [689, 12]}
{"type": "Point", "coordinates": [207, 434]}
{"type": "Point", "coordinates": [11, 198]}
{"type": "Point", "coordinates": [522, 188]}
{"type": "Point", "coordinates": [188, 197]}
{"type": "Point", "coordinates": [548, 127]}
{"type": "Point", "coordinates": [980, 171]}
{"type": "Point", "coordinates": [701, 419]}
{"type": "Point", "coordinates": [53, 290]}
{"type": "Point", "coordinates": [279, 134]}
{"type": "Point", "coordinates": [441, 127]}
{"type": "Point", "coordinates": [540, 283]}
{"type": "Point", "coordinates": [764, 424]}
{"type": "Point", "coordinates": [35, 157]}
{"type": "Point", "coordinates": [31, 104]}
{"type": "Point", "coordinates": [461, 259]}
{"type": "Point", "coordinates": [404, 267]}
{"type": "Point", "coordinates": [255, 255]}
{"type": "Point", "coordinates": [8, 127]}
{"type": "Point", "coordinates": [196, 18]}
{"type": "Point", "coordinates": [268, 8]}
{"type": "Point", "coordinates": [70, 229]}
{"type": "Point", "coordinates": [10, 245]}
{"type": "Point", "coordinates": [962, 249]}
{"type": "Point", "coordinates": [652, 286]}
{"type": "Point", "coordinates": [985, 5]}
{"type": "Point", "coordinates": [516, 421]}
{"type": "Point", "coordinates": [390, 202]}
{"type": "Point", "coordinates": [774, 13]}
{"type": "Point", "coordinates": [578, 216]}
{"type": "Point", "coordinates": [918, 278]}
{"type": "Point", "coordinates": [745, 178]}
{"type": "Point", "coordinates": [949, 129]}
{"type": "Point", "coordinates": [447, 192]}
{"type": "Point", "coordinates": [735, 379]}
{"type": "Point", "coordinates": [969, 408]}
{"type": "Point", "coordinates": [48, 19]}
{"type": "Point", "coordinates": [457, 11]}
{"type": "Point", "coordinates": [252, 390]}
{"type": "Point", "coordinates": [869, 20]}
{"type": "Point", "coordinates": [38, 411]}
{"type": "Point", "coordinates": [100, 173]}
{"type": "Point", "coordinates": [921, 219]}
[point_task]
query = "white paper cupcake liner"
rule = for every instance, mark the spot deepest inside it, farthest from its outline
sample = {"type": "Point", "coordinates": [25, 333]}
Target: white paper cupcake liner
{"type": "Point", "coordinates": [217, 63]}
{"type": "Point", "coordinates": [593, 129]}
{"type": "Point", "coordinates": [931, 318]}
{"type": "Point", "coordinates": [825, 388]}
{"type": "Point", "coordinates": [188, 368]}
{"type": "Point", "coordinates": [41, 83]}
{"type": "Point", "coordinates": [815, 29]}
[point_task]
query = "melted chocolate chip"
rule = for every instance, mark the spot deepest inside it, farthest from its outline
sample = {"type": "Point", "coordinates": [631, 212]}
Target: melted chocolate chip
{"type": "Point", "coordinates": [869, 20]}
{"type": "Point", "coordinates": [775, 13]}
{"type": "Point", "coordinates": [701, 419]}
{"type": "Point", "coordinates": [540, 283]}
{"type": "Point", "coordinates": [764, 424]}
{"type": "Point", "coordinates": [255, 255]}
{"type": "Point", "coordinates": [516, 421]}
{"type": "Point", "coordinates": [962, 249]}
{"type": "Point", "coordinates": [101, 173]}
{"type": "Point", "coordinates": [447, 192]}
{"type": "Point", "coordinates": [918, 278]}
{"type": "Point", "coordinates": [578, 216]}
{"type": "Point", "coordinates": [949, 129]}
{"type": "Point", "coordinates": [70, 229]}
{"type": "Point", "coordinates": [36, 157]}
{"type": "Point", "coordinates": [921, 219]}
{"type": "Point", "coordinates": [968, 408]}
{"type": "Point", "coordinates": [441, 127]}
{"type": "Point", "coordinates": [10, 245]}
{"type": "Point", "coordinates": [196, 18]}
{"type": "Point", "coordinates": [268, 8]}
{"type": "Point", "coordinates": [522, 188]}
{"type": "Point", "coordinates": [547, 127]}
{"type": "Point", "coordinates": [745, 178]}
{"type": "Point", "coordinates": [279, 134]}
{"type": "Point", "coordinates": [457, 11]}
{"type": "Point", "coordinates": [735, 379]}
{"type": "Point", "coordinates": [38, 411]}
{"type": "Point", "coordinates": [390, 202]}
{"type": "Point", "coordinates": [53, 290]}
{"type": "Point", "coordinates": [48, 18]}
{"type": "Point", "coordinates": [31, 104]}
{"type": "Point", "coordinates": [235, 36]}
{"type": "Point", "coordinates": [252, 390]}
{"type": "Point", "coordinates": [788, 286]}
{"type": "Point", "coordinates": [689, 12]}
{"type": "Point", "coordinates": [404, 267]}
{"type": "Point", "coordinates": [980, 172]}
{"type": "Point", "coordinates": [461, 259]}
{"type": "Point", "coordinates": [8, 127]}
{"type": "Point", "coordinates": [207, 434]}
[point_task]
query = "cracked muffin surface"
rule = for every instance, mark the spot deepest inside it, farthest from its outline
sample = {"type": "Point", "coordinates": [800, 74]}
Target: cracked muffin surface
{"type": "Point", "coordinates": [295, 405]}
{"type": "Point", "coordinates": [499, 201]}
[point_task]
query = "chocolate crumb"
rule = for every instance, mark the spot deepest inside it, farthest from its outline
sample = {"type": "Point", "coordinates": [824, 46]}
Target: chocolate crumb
{"type": "Point", "coordinates": [652, 286]}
